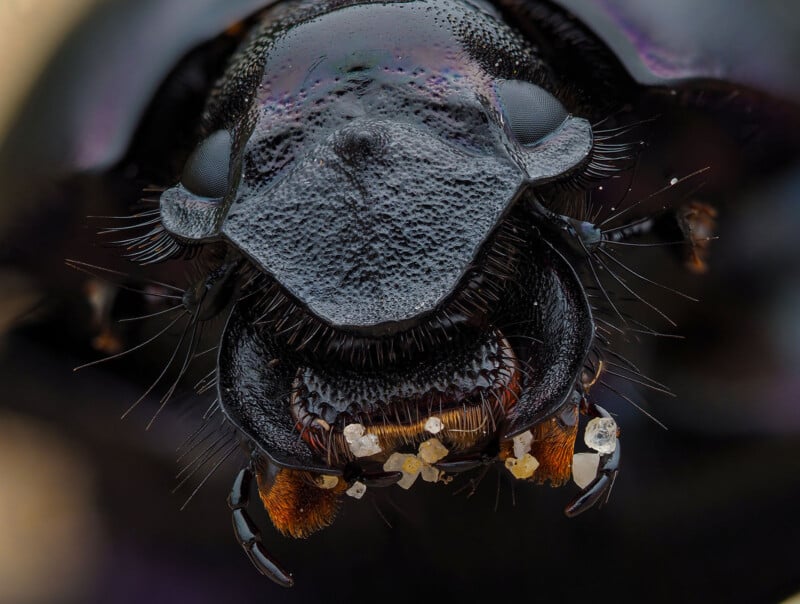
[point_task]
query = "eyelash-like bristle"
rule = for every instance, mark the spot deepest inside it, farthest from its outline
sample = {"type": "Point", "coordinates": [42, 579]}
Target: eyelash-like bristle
{"type": "Point", "coordinates": [144, 239]}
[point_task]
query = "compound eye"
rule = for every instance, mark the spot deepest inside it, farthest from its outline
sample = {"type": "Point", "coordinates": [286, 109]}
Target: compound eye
{"type": "Point", "coordinates": [206, 171]}
{"type": "Point", "coordinates": [531, 112]}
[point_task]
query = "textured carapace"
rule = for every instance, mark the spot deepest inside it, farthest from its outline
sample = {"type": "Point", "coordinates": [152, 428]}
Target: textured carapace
{"type": "Point", "coordinates": [380, 186]}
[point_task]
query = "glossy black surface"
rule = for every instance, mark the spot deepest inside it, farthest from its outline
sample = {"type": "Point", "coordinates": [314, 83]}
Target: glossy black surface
{"type": "Point", "coordinates": [247, 533]}
{"type": "Point", "coordinates": [254, 394]}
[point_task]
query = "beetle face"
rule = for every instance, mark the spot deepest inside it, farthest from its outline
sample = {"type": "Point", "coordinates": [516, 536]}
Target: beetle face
{"type": "Point", "coordinates": [375, 166]}
{"type": "Point", "coordinates": [387, 271]}
{"type": "Point", "coordinates": [376, 194]}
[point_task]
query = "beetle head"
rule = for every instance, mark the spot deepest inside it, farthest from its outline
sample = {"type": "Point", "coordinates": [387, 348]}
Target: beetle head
{"type": "Point", "coordinates": [374, 166]}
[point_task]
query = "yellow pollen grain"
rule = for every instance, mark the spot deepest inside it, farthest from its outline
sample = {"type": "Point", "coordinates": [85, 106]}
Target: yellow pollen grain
{"type": "Point", "coordinates": [432, 450]}
{"type": "Point", "coordinates": [522, 468]}
{"type": "Point", "coordinates": [412, 465]}
{"type": "Point", "coordinates": [326, 481]}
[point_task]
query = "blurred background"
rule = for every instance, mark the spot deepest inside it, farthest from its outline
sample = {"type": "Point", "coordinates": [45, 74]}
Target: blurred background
{"type": "Point", "coordinates": [703, 512]}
